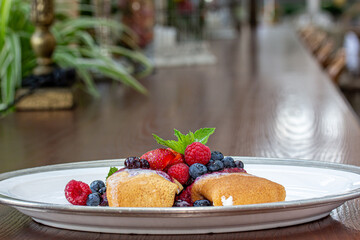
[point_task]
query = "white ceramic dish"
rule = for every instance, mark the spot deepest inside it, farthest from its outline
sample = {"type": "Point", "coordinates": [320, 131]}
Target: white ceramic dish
{"type": "Point", "coordinates": [313, 190]}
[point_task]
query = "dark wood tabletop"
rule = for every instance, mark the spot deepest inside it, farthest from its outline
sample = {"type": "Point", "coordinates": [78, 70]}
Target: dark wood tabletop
{"type": "Point", "coordinates": [266, 96]}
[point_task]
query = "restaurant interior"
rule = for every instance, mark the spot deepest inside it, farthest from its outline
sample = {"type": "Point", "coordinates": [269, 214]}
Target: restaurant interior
{"type": "Point", "coordinates": [87, 85]}
{"type": "Point", "coordinates": [57, 44]}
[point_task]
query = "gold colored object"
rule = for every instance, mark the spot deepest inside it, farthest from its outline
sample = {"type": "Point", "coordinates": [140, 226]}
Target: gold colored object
{"type": "Point", "coordinates": [46, 99]}
{"type": "Point", "coordinates": [42, 41]}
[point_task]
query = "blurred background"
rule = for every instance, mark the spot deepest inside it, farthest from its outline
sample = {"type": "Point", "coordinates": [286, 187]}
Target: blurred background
{"type": "Point", "coordinates": [126, 40]}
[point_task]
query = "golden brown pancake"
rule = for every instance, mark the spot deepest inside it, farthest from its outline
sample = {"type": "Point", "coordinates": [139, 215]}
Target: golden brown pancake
{"type": "Point", "coordinates": [236, 189]}
{"type": "Point", "coordinates": [141, 188]}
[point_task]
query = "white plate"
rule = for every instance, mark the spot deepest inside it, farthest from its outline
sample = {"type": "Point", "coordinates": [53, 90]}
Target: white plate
{"type": "Point", "coordinates": [313, 190]}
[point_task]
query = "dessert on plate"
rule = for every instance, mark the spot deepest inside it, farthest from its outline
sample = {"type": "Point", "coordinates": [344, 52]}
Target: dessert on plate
{"type": "Point", "coordinates": [141, 188]}
{"type": "Point", "coordinates": [236, 189]}
{"type": "Point", "coordinates": [184, 174]}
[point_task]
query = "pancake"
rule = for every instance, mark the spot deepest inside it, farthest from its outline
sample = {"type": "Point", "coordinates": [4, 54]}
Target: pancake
{"type": "Point", "coordinates": [223, 189]}
{"type": "Point", "coordinates": [141, 188]}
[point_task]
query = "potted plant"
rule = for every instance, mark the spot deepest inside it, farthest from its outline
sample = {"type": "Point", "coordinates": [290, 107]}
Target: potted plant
{"type": "Point", "coordinates": [76, 48]}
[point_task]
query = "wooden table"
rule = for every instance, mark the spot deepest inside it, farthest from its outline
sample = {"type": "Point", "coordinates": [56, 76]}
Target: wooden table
{"type": "Point", "coordinates": [266, 96]}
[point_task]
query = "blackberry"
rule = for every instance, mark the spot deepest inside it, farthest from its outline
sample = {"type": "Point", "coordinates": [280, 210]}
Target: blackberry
{"type": "Point", "coordinates": [197, 169]}
{"type": "Point", "coordinates": [239, 164]}
{"type": "Point", "coordinates": [229, 162]}
{"type": "Point", "coordinates": [144, 163]}
{"type": "Point", "coordinates": [202, 203]}
{"type": "Point", "coordinates": [132, 163]}
{"type": "Point", "coordinates": [93, 199]}
{"type": "Point", "coordinates": [215, 166]}
{"type": "Point", "coordinates": [96, 185]}
{"type": "Point", "coordinates": [216, 155]}
{"type": "Point", "coordinates": [104, 202]}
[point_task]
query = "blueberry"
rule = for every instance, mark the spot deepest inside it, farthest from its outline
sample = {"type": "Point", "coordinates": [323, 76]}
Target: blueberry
{"type": "Point", "coordinates": [202, 203]}
{"type": "Point", "coordinates": [102, 190]}
{"type": "Point", "coordinates": [197, 169]}
{"type": "Point", "coordinates": [93, 199]}
{"type": "Point", "coordinates": [96, 185]}
{"type": "Point", "coordinates": [239, 164]}
{"type": "Point", "coordinates": [132, 162]}
{"type": "Point", "coordinates": [229, 162]}
{"type": "Point", "coordinates": [216, 155]}
{"type": "Point", "coordinates": [215, 166]}
{"type": "Point", "coordinates": [211, 161]}
{"type": "Point", "coordinates": [144, 163]}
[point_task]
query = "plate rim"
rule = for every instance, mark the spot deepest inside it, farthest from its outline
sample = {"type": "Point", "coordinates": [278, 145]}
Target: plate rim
{"type": "Point", "coordinates": [184, 211]}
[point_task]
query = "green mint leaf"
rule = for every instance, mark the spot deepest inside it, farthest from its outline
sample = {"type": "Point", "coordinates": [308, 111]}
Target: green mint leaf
{"type": "Point", "coordinates": [183, 140]}
{"type": "Point", "coordinates": [188, 139]}
{"type": "Point", "coordinates": [179, 135]}
{"type": "Point", "coordinates": [202, 135]}
{"type": "Point", "coordinates": [159, 140]}
{"type": "Point", "coordinates": [174, 145]}
{"type": "Point", "coordinates": [112, 171]}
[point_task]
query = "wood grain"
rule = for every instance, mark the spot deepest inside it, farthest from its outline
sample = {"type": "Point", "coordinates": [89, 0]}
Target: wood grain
{"type": "Point", "coordinates": [266, 96]}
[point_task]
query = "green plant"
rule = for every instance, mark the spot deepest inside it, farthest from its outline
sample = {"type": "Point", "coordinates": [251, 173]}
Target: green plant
{"type": "Point", "coordinates": [76, 48]}
{"type": "Point", "coordinates": [16, 57]}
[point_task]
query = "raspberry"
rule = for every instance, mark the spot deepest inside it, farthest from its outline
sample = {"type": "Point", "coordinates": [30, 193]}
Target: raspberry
{"type": "Point", "coordinates": [180, 172]}
{"type": "Point", "coordinates": [197, 153]}
{"type": "Point", "coordinates": [158, 158]}
{"type": "Point", "coordinates": [76, 192]}
{"type": "Point", "coordinates": [185, 196]}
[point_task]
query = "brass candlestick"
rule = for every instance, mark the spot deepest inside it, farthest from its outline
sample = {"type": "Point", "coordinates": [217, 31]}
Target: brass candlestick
{"type": "Point", "coordinates": [42, 41]}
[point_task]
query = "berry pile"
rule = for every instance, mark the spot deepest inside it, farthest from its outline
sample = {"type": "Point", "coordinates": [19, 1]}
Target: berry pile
{"type": "Point", "coordinates": [198, 160]}
{"type": "Point", "coordinates": [80, 193]}
{"type": "Point", "coordinates": [216, 163]}
{"type": "Point", "coordinates": [184, 160]}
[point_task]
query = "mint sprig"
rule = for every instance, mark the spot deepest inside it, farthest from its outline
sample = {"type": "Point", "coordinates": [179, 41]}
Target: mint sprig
{"type": "Point", "coordinates": [112, 170]}
{"type": "Point", "coordinates": [202, 135]}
